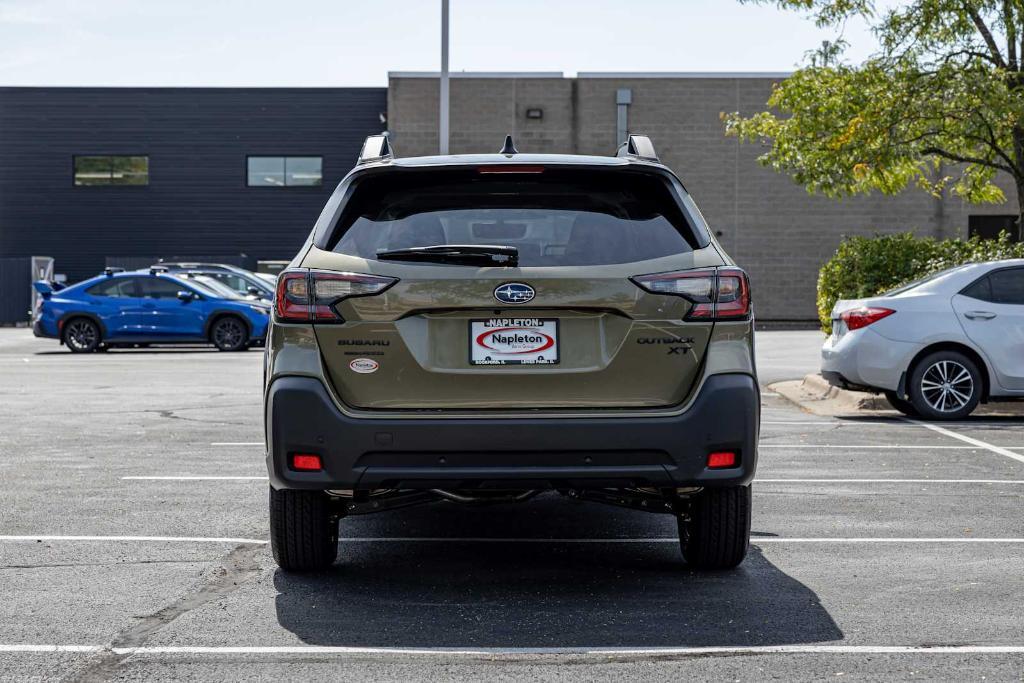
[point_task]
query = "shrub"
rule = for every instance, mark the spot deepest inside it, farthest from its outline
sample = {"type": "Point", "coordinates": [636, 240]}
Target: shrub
{"type": "Point", "coordinates": [868, 266]}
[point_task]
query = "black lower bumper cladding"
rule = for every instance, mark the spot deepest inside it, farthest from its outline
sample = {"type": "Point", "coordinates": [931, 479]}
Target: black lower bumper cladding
{"type": "Point", "coordinates": [512, 453]}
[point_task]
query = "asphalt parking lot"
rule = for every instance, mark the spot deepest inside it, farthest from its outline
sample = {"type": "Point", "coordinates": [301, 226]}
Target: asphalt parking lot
{"type": "Point", "coordinates": [133, 527]}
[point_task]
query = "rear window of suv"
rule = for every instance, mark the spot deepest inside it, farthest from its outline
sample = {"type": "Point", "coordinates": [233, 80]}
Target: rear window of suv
{"type": "Point", "coordinates": [558, 217]}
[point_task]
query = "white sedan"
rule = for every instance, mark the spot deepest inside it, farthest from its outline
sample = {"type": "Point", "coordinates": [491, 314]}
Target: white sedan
{"type": "Point", "coordinates": [936, 347]}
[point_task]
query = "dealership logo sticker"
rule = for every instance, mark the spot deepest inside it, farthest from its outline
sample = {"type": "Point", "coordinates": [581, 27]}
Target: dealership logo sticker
{"type": "Point", "coordinates": [514, 293]}
{"type": "Point", "coordinates": [512, 340]}
{"type": "Point", "coordinates": [363, 366]}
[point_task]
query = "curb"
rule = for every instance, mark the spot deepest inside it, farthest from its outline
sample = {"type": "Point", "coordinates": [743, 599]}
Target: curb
{"type": "Point", "coordinates": [815, 395]}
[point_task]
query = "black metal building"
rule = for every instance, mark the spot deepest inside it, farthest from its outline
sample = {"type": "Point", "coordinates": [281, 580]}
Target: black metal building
{"type": "Point", "coordinates": [91, 173]}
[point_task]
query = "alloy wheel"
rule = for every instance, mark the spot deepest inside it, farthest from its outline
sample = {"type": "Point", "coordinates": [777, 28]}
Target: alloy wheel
{"type": "Point", "coordinates": [947, 386]}
{"type": "Point", "coordinates": [228, 334]}
{"type": "Point", "coordinates": [81, 335]}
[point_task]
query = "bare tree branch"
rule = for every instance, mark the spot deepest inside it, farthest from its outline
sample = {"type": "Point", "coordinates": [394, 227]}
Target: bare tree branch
{"type": "Point", "coordinates": [979, 23]}
{"type": "Point", "coordinates": [963, 159]}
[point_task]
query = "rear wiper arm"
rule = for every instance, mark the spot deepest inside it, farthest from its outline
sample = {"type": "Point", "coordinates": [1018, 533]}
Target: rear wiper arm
{"type": "Point", "coordinates": [469, 254]}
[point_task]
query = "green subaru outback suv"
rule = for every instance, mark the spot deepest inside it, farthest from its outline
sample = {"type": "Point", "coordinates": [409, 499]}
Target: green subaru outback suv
{"type": "Point", "coordinates": [483, 328]}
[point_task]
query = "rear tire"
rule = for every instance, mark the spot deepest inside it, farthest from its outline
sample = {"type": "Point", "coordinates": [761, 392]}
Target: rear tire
{"type": "Point", "coordinates": [303, 531]}
{"type": "Point", "coordinates": [718, 532]}
{"type": "Point", "coordinates": [945, 385]}
{"type": "Point", "coordinates": [229, 333]}
{"type": "Point", "coordinates": [900, 404]}
{"type": "Point", "coordinates": [81, 335]}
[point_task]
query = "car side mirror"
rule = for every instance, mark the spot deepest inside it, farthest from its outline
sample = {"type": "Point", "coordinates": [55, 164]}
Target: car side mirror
{"type": "Point", "coordinates": [186, 295]}
{"type": "Point", "coordinates": [254, 291]}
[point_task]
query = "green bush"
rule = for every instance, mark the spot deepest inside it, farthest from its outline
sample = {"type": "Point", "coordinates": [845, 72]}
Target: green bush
{"type": "Point", "coordinates": [868, 266]}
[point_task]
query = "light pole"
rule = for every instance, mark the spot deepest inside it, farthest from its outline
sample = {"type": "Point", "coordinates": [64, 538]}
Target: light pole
{"type": "Point", "coordinates": [442, 132]}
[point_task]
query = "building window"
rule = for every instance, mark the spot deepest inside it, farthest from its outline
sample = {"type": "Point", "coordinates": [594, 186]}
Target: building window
{"type": "Point", "coordinates": [285, 171]}
{"type": "Point", "coordinates": [111, 170]}
{"type": "Point", "coordinates": [989, 227]}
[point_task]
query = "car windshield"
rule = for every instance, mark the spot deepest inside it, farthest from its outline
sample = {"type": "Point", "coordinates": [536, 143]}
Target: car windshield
{"type": "Point", "coordinates": [212, 287]}
{"type": "Point", "coordinates": [925, 280]}
{"type": "Point", "coordinates": [552, 218]}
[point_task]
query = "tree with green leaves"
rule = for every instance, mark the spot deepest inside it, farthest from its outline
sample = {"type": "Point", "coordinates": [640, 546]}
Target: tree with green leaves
{"type": "Point", "coordinates": [940, 104]}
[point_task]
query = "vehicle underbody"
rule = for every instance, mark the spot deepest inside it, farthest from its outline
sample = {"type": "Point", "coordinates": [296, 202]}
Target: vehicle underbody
{"type": "Point", "coordinates": [363, 502]}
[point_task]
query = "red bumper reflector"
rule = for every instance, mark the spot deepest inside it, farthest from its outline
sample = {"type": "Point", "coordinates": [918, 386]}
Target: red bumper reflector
{"type": "Point", "coordinates": [306, 463]}
{"type": "Point", "coordinates": [722, 459]}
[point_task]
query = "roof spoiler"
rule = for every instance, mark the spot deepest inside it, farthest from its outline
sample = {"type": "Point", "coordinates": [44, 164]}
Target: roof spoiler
{"type": "Point", "coordinates": [638, 147]}
{"type": "Point", "coordinates": [44, 288]}
{"type": "Point", "coordinates": [376, 148]}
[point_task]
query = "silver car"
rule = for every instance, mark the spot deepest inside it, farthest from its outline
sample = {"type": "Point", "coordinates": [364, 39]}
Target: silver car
{"type": "Point", "coordinates": [938, 346]}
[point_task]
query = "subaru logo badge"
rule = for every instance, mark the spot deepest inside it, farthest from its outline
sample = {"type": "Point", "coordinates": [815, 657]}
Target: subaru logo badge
{"type": "Point", "coordinates": [514, 293]}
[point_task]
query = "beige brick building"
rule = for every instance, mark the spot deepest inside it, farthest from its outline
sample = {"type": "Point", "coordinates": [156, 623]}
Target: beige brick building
{"type": "Point", "coordinates": [770, 226]}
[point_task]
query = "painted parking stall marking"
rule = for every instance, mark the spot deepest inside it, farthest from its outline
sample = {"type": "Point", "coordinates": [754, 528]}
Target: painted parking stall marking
{"type": "Point", "coordinates": [755, 540]}
{"type": "Point", "coordinates": [978, 443]}
{"type": "Point", "coordinates": [600, 651]}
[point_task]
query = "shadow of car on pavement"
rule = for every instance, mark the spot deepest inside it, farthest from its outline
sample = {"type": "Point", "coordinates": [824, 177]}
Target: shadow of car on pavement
{"type": "Point", "coordinates": [530, 594]}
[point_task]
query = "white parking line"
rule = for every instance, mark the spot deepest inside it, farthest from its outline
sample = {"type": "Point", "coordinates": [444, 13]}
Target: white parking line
{"type": "Point", "coordinates": [882, 422]}
{"type": "Point", "coordinates": [763, 445]}
{"type": "Point", "coordinates": [518, 651]}
{"type": "Point", "coordinates": [999, 450]}
{"type": "Point", "coordinates": [188, 477]}
{"type": "Point", "coordinates": [860, 447]}
{"type": "Point", "coordinates": [888, 481]}
{"type": "Point", "coordinates": [756, 540]}
{"type": "Point", "coordinates": [162, 539]}
{"type": "Point", "coordinates": [196, 478]}
{"type": "Point", "coordinates": [835, 423]}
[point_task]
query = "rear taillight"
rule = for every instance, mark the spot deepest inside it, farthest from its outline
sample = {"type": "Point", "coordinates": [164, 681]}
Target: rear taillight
{"type": "Point", "coordinates": [716, 293]}
{"type": "Point", "coordinates": [856, 318]}
{"type": "Point", "coordinates": [311, 295]}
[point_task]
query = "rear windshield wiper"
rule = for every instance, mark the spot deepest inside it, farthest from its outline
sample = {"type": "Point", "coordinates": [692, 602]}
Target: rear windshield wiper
{"type": "Point", "coordinates": [465, 254]}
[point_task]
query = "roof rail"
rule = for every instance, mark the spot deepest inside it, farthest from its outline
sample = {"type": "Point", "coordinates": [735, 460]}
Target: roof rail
{"type": "Point", "coordinates": [110, 270]}
{"type": "Point", "coordinates": [638, 146]}
{"type": "Point", "coordinates": [376, 148]}
{"type": "Point", "coordinates": [153, 270]}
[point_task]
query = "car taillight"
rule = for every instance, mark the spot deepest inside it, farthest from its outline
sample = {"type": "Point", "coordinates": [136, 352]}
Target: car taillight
{"type": "Point", "coordinates": [716, 293]}
{"type": "Point", "coordinates": [311, 295]}
{"type": "Point", "coordinates": [856, 318]}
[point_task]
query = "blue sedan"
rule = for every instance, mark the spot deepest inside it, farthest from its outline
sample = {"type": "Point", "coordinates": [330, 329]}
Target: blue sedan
{"type": "Point", "coordinates": [147, 307]}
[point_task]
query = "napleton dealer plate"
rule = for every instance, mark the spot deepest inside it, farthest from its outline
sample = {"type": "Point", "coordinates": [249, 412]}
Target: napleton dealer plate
{"type": "Point", "coordinates": [513, 341]}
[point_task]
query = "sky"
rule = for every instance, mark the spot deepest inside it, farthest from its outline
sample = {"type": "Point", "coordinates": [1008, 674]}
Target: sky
{"type": "Point", "coordinates": [320, 43]}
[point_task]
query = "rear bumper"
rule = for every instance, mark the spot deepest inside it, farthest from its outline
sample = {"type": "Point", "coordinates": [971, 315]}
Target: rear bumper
{"type": "Point", "coordinates": [511, 453]}
{"type": "Point", "coordinates": [39, 330]}
{"type": "Point", "coordinates": [864, 360]}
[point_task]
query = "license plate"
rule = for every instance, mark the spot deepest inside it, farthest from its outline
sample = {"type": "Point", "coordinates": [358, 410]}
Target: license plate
{"type": "Point", "coordinates": [513, 341]}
